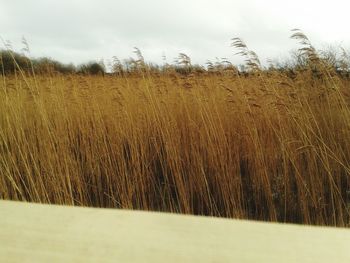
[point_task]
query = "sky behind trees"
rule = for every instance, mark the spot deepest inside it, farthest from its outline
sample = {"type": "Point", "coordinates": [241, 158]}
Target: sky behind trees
{"type": "Point", "coordinates": [81, 30]}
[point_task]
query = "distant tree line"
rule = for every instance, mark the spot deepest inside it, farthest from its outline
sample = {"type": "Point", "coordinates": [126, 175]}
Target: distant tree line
{"type": "Point", "coordinates": [303, 59]}
{"type": "Point", "coordinates": [11, 62]}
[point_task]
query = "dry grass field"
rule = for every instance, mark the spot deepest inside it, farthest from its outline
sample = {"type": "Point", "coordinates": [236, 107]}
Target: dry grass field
{"type": "Point", "coordinates": [265, 146]}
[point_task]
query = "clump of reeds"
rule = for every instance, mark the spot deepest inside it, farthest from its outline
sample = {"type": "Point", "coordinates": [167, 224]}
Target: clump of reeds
{"type": "Point", "coordinates": [263, 146]}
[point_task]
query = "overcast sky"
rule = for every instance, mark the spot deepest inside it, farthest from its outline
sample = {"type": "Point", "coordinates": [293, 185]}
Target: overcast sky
{"type": "Point", "coordinates": [82, 30]}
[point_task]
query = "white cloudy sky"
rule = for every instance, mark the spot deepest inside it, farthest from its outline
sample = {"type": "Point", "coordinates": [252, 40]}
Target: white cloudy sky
{"type": "Point", "coordinates": [83, 30]}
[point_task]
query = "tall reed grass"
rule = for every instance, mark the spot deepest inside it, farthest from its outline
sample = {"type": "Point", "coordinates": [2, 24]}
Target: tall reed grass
{"type": "Point", "coordinates": [265, 146]}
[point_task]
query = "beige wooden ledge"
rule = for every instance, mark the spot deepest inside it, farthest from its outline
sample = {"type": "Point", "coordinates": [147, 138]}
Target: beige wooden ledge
{"type": "Point", "coordinates": [47, 233]}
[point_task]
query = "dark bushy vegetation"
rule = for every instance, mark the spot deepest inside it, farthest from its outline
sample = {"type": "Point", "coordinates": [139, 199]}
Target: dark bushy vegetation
{"type": "Point", "coordinates": [10, 62]}
{"type": "Point", "coordinates": [92, 68]}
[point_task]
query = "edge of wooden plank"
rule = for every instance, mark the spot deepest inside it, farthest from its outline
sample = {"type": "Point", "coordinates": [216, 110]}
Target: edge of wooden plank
{"type": "Point", "coordinates": [40, 233]}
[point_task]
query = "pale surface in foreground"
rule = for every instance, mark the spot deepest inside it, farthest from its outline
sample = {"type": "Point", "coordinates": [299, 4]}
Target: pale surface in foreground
{"type": "Point", "coordinates": [43, 233]}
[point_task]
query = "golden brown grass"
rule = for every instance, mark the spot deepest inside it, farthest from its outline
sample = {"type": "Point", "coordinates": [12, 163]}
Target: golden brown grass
{"type": "Point", "coordinates": [263, 147]}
